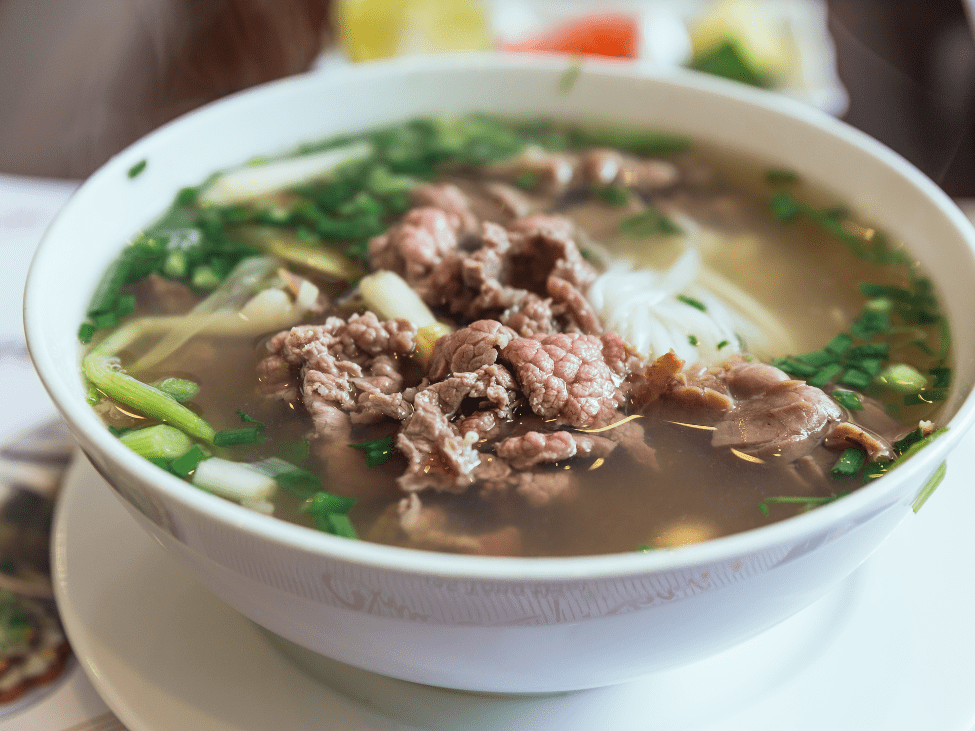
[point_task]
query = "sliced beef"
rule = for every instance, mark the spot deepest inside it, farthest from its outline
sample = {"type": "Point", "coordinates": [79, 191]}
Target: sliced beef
{"type": "Point", "coordinates": [540, 489]}
{"type": "Point", "coordinates": [785, 422]}
{"type": "Point", "coordinates": [851, 436]}
{"type": "Point", "coordinates": [580, 315]}
{"type": "Point", "coordinates": [747, 379]}
{"type": "Point", "coordinates": [429, 527]}
{"type": "Point", "coordinates": [418, 243]}
{"type": "Point", "coordinates": [531, 316]}
{"type": "Point", "coordinates": [422, 248]}
{"type": "Point", "coordinates": [630, 435]}
{"type": "Point", "coordinates": [605, 166]}
{"type": "Point", "coordinates": [649, 383]}
{"type": "Point", "coordinates": [704, 390]}
{"type": "Point", "coordinates": [566, 378]}
{"type": "Point", "coordinates": [511, 202]}
{"type": "Point", "coordinates": [534, 448]}
{"type": "Point", "coordinates": [348, 370]}
{"type": "Point", "coordinates": [449, 199]}
{"type": "Point", "coordinates": [541, 246]}
{"type": "Point", "coordinates": [554, 172]}
{"type": "Point", "coordinates": [469, 348]}
{"type": "Point", "coordinates": [440, 455]}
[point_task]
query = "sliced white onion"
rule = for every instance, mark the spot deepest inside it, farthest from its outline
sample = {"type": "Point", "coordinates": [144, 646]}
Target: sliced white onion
{"type": "Point", "coordinates": [253, 181]}
{"type": "Point", "coordinates": [234, 480]}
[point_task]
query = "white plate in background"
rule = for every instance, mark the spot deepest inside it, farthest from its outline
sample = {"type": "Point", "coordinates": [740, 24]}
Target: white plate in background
{"type": "Point", "coordinates": [892, 647]}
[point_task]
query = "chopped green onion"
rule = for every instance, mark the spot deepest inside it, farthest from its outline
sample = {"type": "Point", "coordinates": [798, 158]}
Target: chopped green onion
{"type": "Point", "coordinates": [849, 464]}
{"type": "Point", "coordinates": [920, 444]}
{"type": "Point", "coordinates": [636, 141]}
{"type": "Point", "coordinates": [849, 400]}
{"type": "Point", "coordinates": [825, 375]}
{"type": "Point", "coordinates": [106, 320]}
{"type": "Point", "coordinates": [185, 466]}
{"type": "Point", "coordinates": [322, 503]}
{"type": "Point", "coordinates": [723, 344]}
{"type": "Point", "coordinates": [299, 482]}
{"type": "Point", "coordinates": [238, 437]}
{"type": "Point", "coordinates": [795, 368]}
{"type": "Point", "coordinates": [807, 502]}
{"type": "Point", "coordinates": [295, 451]}
{"type": "Point", "coordinates": [237, 481]}
{"type": "Point", "coordinates": [870, 323]}
{"type": "Point", "coordinates": [930, 396]}
{"type": "Point", "coordinates": [869, 350]}
{"type": "Point", "coordinates": [181, 389]}
{"type": "Point", "coordinates": [839, 344]}
{"type": "Point", "coordinates": [855, 378]}
{"type": "Point", "coordinates": [106, 375]}
{"type": "Point", "coordinates": [377, 451]}
{"type": "Point", "coordinates": [785, 207]}
{"type": "Point", "coordinates": [902, 378]}
{"type": "Point", "coordinates": [870, 366]}
{"type": "Point", "coordinates": [692, 339]}
{"type": "Point", "coordinates": [160, 442]}
{"type": "Point", "coordinates": [941, 376]}
{"type": "Point", "coordinates": [205, 277]}
{"type": "Point", "coordinates": [817, 358]}
{"type": "Point", "coordinates": [908, 440]}
{"type": "Point", "coordinates": [874, 470]}
{"type": "Point", "coordinates": [86, 332]}
{"type": "Point", "coordinates": [336, 524]}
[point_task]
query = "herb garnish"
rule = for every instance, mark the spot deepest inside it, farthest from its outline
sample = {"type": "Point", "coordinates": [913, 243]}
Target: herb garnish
{"type": "Point", "coordinates": [804, 501]}
{"type": "Point", "coordinates": [377, 451]}
{"type": "Point", "coordinates": [253, 434]}
{"type": "Point", "coordinates": [697, 304]}
{"type": "Point", "coordinates": [136, 170]}
{"type": "Point", "coordinates": [650, 222]}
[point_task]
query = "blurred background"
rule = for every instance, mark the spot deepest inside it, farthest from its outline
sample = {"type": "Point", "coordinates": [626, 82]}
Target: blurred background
{"type": "Point", "coordinates": [80, 79]}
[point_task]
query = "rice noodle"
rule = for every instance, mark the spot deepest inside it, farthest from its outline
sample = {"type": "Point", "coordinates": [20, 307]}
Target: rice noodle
{"type": "Point", "coordinates": [643, 305]}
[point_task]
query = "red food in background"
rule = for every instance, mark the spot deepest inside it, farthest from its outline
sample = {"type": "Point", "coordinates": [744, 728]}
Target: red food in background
{"type": "Point", "coordinates": [607, 34]}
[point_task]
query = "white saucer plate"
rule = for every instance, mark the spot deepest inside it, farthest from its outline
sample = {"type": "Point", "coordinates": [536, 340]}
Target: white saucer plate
{"type": "Point", "coordinates": [892, 647]}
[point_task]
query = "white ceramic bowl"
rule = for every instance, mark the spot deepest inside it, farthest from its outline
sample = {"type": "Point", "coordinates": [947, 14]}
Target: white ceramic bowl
{"type": "Point", "coordinates": [496, 624]}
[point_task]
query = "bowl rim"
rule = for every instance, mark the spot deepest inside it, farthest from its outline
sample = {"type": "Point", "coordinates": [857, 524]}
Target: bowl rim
{"type": "Point", "coordinates": [291, 536]}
